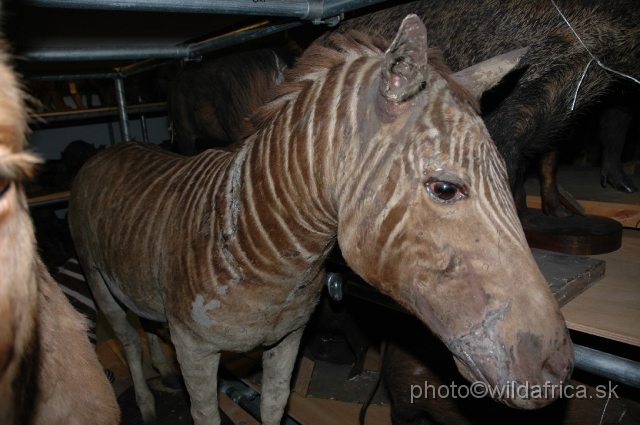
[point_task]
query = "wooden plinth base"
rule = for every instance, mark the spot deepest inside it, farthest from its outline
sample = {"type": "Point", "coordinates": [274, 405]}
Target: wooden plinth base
{"type": "Point", "coordinates": [577, 235]}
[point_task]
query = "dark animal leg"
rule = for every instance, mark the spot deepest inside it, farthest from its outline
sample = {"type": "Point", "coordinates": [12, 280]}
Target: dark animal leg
{"type": "Point", "coordinates": [520, 198]}
{"type": "Point", "coordinates": [356, 339]}
{"type": "Point", "coordinates": [365, 405]}
{"type": "Point", "coordinates": [549, 186]}
{"type": "Point", "coordinates": [159, 361]}
{"type": "Point", "coordinates": [614, 124]}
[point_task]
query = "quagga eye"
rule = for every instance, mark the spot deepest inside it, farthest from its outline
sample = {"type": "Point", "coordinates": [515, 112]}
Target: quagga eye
{"type": "Point", "coordinates": [443, 191]}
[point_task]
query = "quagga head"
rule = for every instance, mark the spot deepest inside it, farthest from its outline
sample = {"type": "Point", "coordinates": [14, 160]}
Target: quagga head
{"type": "Point", "coordinates": [427, 217]}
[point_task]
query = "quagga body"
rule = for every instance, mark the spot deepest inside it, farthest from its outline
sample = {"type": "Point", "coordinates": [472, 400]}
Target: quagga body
{"type": "Point", "coordinates": [49, 373]}
{"type": "Point", "coordinates": [375, 149]}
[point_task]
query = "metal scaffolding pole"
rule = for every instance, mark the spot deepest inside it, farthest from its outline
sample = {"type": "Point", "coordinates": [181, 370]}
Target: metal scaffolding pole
{"type": "Point", "coordinates": [122, 109]}
{"type": "Point", "coordinates": [143, 124]}
{"type": "Point", "coordinates": [607, 365]}
{"type": "Point", "coordinates": [301, 9]}
{"type": "Point", "coordinates": [182, 51]}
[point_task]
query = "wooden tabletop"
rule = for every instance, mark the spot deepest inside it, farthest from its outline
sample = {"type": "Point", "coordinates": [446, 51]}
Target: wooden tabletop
{"type": "Point", "coordinates": [611, 307]}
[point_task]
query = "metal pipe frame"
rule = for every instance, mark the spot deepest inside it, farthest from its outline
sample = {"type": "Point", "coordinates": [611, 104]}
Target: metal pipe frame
{"type": "Point", "coordinates": [607, 365]}
{"type": "Point", "coordinates": [69, 77]}
{"type": "Point", "coordinates": [183, 51]}
{"type": "Point", "coordinates": [58, 200]}
{"type": "Point", "coordinates": [124, 71]}
{"type": "Point", "coordinates": [301, 9]}
{"type": "Point", "coordinates": [109, 111]}
{"type": "Point", "coordinates": [122, 109]}
{"type": "Point", "coordinates": [143, 125]}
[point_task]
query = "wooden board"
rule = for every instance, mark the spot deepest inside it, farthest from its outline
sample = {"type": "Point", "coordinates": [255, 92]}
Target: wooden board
{"type": "Point", "coordinates": [568, 275]}
{"type": "Point", "coordinates": [611, 308]}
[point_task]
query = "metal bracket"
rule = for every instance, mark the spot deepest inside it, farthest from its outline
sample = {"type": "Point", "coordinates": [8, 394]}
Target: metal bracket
{"type": "Point", "coordinates": [334, 283]}
{"type": "Point", "coordinates": [196, 59]}
{"type": "Point", "coordinates": [330, 22]}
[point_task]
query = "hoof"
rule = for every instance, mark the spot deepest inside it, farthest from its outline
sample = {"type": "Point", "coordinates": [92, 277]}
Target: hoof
{"type": "Point", "coordinates": [557, 210]}
{"type": "Point", "coordinates": [356, 370]}
{"type": "Point", "coordinates": [621, 183]}
{"type": "Point", "coordinates": [528, 221]}
{"type": "Point", "coordinates": [174, 382]}
{"type": "Point", "coordinates": [149, 418]}
{"type": "Point", "coordinates": [627, 187]}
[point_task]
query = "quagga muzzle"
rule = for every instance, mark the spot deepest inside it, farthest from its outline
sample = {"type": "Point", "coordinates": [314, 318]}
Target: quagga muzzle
{"type": "Point", "coordinates": [374, 148]}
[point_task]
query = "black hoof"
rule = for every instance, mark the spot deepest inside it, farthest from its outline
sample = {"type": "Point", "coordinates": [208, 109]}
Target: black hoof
{"type": "Point", "coordinates": [356, 370]}
{"type": "Point", "coordinates": [625, 187]}
{"type": "Point", "coordinates": [621, 183]}
{"type": "Point", "coordinates": [557, 211]}
{"type": "Point", "coordinates": [174, 382]}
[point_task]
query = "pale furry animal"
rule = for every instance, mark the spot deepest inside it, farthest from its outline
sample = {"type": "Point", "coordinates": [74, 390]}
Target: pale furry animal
{"type": "Point", "coordinates": [49, 373]}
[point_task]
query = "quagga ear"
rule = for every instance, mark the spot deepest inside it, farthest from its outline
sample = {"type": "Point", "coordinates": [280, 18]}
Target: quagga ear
{"type": "Point", "coordinates": [404, 68]}
{"type": "Point", "coordinates": [484, 75]}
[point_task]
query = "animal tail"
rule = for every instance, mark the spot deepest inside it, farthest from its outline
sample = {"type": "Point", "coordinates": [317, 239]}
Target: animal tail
{"type": "Point", "coordinates": [365, 405]}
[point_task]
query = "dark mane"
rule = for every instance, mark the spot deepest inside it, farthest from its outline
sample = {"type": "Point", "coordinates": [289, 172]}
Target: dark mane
{"type": "Point", "coordinates": [318, 59]}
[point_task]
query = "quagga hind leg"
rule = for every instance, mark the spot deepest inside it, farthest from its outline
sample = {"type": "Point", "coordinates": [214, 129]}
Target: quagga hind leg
{"type": "Point", "coordinates": [128, 337]}
{"type": "Point", "coordinates": [199, 362]}
{"type": "Point", "coordinates": [160, 363]}
{"type": "Point", "coordinates": [158, 360]}
{"type": "Point", "coordinates": [277, 365]}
